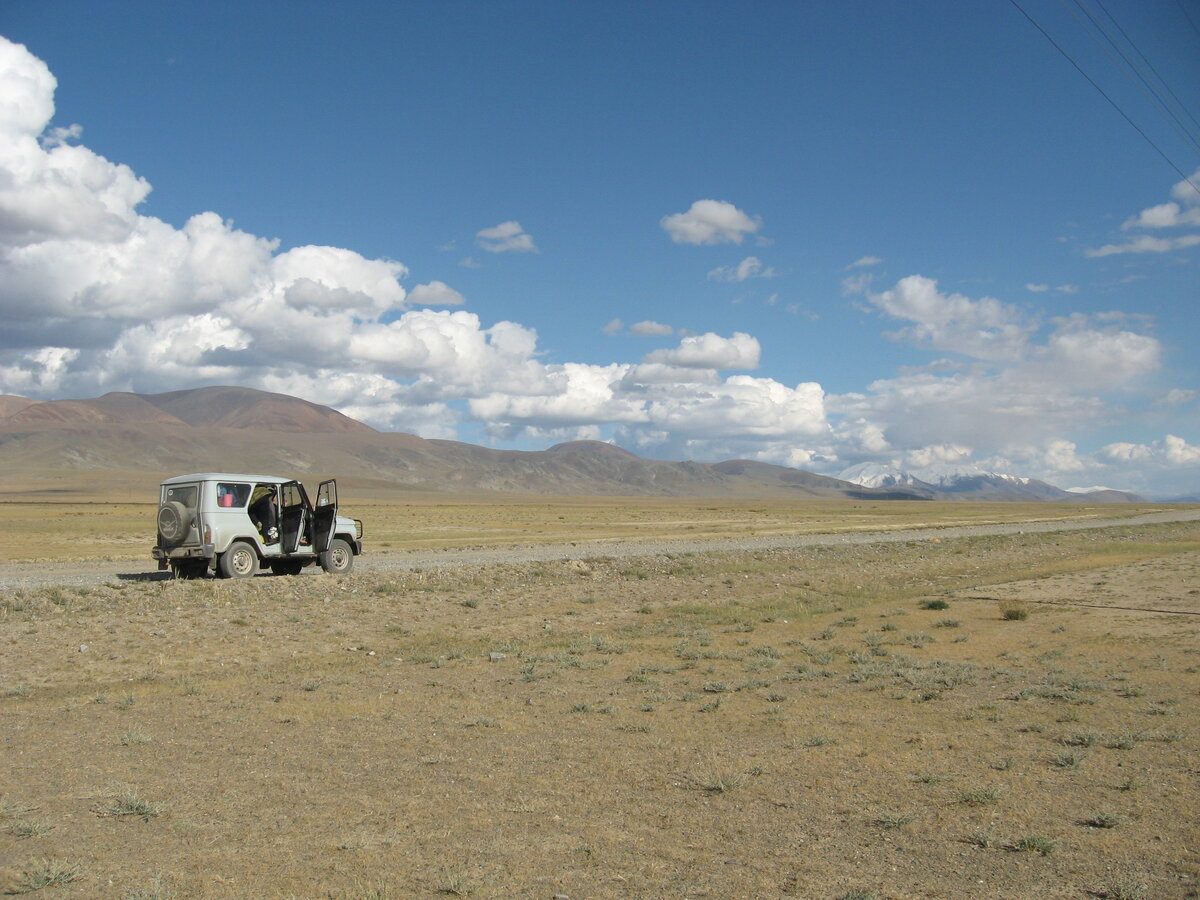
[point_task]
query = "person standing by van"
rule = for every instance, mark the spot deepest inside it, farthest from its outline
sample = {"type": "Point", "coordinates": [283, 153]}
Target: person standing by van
{"type": "Point", "coordinates": [264, 512]}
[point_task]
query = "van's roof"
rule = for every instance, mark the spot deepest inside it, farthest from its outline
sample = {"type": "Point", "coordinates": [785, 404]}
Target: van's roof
{"type": "Point", "coordinates": [227, 476]}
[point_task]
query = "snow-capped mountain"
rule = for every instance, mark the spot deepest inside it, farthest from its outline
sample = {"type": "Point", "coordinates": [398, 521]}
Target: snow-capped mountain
{"type": "Point", "coordinates": [973, 483]}
{"type": "Point", "coordinates": [880, 475]}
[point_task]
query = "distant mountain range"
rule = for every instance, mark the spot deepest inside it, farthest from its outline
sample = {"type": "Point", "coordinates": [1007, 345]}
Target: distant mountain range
{"type": "Point", "coordinates": [127, 443]}
{"type": "Point", "coordinates": [978, 485]}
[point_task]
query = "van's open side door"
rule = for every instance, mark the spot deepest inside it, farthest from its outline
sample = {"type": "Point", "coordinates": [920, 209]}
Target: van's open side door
{"type": "Point", "coordinates": [324, 516]}
{"type": "Point", "coordinates": [295, 511]}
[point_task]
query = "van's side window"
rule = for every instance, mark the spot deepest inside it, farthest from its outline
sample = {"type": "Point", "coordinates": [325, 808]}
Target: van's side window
{"type": "Point", "coordinates": [235, 495]}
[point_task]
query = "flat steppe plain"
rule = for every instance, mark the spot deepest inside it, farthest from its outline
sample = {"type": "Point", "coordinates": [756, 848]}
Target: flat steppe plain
{"type": "Point", "coordinates": [582, 698]}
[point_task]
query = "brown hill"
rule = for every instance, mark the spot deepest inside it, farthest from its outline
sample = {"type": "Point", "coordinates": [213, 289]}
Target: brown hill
{"type": "Point", "coordinates": [133, 441]}
{"type": "Point", "coordinates": [130, 442]}
{"type": "Point", "coordinates": [11, 403]}
{"type": "Point", "coordinates": [238, 407]}
{"type": "Point", "coordinates": [115, 408]}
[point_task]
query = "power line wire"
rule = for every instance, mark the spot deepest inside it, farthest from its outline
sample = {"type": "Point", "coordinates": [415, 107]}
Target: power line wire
{"type": "Point", "coordinates": [1187, 15]}
{"type": "Point", "coordinates": [1174, 97]}
{"type": "Point", "coordinates": [1149, 88]}
{"type": "Point", "coordinates": [1103, 94]}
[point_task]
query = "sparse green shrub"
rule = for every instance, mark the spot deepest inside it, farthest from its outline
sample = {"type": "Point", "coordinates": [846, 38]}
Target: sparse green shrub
{"type": "Point", "coordinates": [1124, 886]}
{"type": "Point", "coordinates": [27, 828]}
{"type": "Point", "coordinates": [717, 779]}
{"type": "Point", "coordinates": [981, 839]}
{"type": "Point", "coordinates": [1014, 611]}
{"type": "Point", "coordinates": [983, 796]}
{"type": "Point", "coordinates": [892, 821]}
{"type": "Point", "coordinates": [44, 873]}
{"type": "Point", "coordinates": [1068, 760]}
{"type": "Point", "coordinates": [1033, 843]}
{"type": "Point", "coordinates": [1107, 819]}
{"type": "Point", "coordinates": [126, 802]}
{"type": "Point", "coordinates": [1079, 739]}
{"type": "Point", "coordinates": [935, 604]}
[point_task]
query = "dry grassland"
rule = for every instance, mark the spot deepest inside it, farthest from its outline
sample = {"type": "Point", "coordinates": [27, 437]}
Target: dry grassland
{"type": "Point", "coordinates": [120, 530]}
{"type": "Point", "coordinates": [992, 717]}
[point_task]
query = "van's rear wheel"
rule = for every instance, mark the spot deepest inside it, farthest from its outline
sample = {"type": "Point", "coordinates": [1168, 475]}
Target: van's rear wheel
{"type": "Point", "coordinates": [239, 561]}
{"type": "Point", "coordinates": [339, 558]}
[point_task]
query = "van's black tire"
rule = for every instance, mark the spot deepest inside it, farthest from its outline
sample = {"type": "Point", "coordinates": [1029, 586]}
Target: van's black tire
{"type": "Point", "coordinates": [173, 518]}
{"type": "Point", "coordinates": [239, 561]}
{"type": "Point", "coordinates": [338, 559]}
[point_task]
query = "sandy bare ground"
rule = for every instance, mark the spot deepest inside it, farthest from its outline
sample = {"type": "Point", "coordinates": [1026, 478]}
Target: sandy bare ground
{"type": "Point", "coordinates": [939, 714]}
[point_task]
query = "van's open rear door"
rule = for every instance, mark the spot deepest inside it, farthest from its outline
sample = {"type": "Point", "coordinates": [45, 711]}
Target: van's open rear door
{"type": "Point", "coordinates": [324, 516]}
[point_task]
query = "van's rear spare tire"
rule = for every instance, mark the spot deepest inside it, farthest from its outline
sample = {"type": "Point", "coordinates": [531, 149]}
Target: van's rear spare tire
{"type": "Point", "coordinates": [173, 519]}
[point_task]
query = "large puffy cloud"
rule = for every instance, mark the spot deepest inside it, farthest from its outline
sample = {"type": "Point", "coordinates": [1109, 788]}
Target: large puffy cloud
{"type": "Point", "coordinates": [208, 303]}
{"type": "Point", "coordinates": [179, 306]}
{"type": "Point", "coordinates": [1171, 451]}
{"type": "Point", "coordinates": [742, 406]}
{"type": "Point", "coordinates": [95, 296]}
{"type": "Point", "coordinates": [1019, 384]}
{"type": "Point", "coordinates": [59, 191]}
{"type": "Point", "coordinates": [985, 328]}
{"type": "Point", "coordinates": [658, 407]}
{"type": "Point", "coordinates": [1082, 355]}
{"type": "Point", "coordinates": [710, 222]}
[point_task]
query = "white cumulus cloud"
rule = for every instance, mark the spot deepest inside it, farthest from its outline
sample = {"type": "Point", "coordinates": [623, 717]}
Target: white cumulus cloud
{"type": "Point", "coordinates": [1183, 210]}
{"type": "Point", "coordinates": [650, 328]}
{"type": "Point", "coordinates": [1146, 243]}
{"type": "Point", "coordinates": [984, 328]}
{"type": "Point", "coordinates": [507, 237]}
{"type": "Point", "coordinates": [711, 351]}
{"type": "Point", "coordinates": [750, 267]}
{"type": "Point", "coordinates": [436, 293]}
{"type": "Point", "coordinates": [710, 222]}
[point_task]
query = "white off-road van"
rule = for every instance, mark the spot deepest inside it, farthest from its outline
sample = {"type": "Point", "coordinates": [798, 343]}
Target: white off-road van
{"type": "Point", "coordinates": [237, 524]}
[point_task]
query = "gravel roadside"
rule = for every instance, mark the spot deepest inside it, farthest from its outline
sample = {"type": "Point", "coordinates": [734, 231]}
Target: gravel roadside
{"type": "Point", "coordinates": [43, 574]}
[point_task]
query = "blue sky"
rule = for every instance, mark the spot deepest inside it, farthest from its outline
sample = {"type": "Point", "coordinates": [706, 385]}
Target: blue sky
{"type": "Point", "coordinates": [816, 234]}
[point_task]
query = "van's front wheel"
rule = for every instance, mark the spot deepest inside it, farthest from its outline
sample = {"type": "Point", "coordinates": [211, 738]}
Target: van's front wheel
{"type": "Point", "coordinates": [339, 558]}
{"type": "Point", "coordinates": [239, 561]}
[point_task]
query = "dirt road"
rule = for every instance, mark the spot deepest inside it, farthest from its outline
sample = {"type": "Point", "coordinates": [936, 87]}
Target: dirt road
{"type": "Point", "coordinates": [42, 574]}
